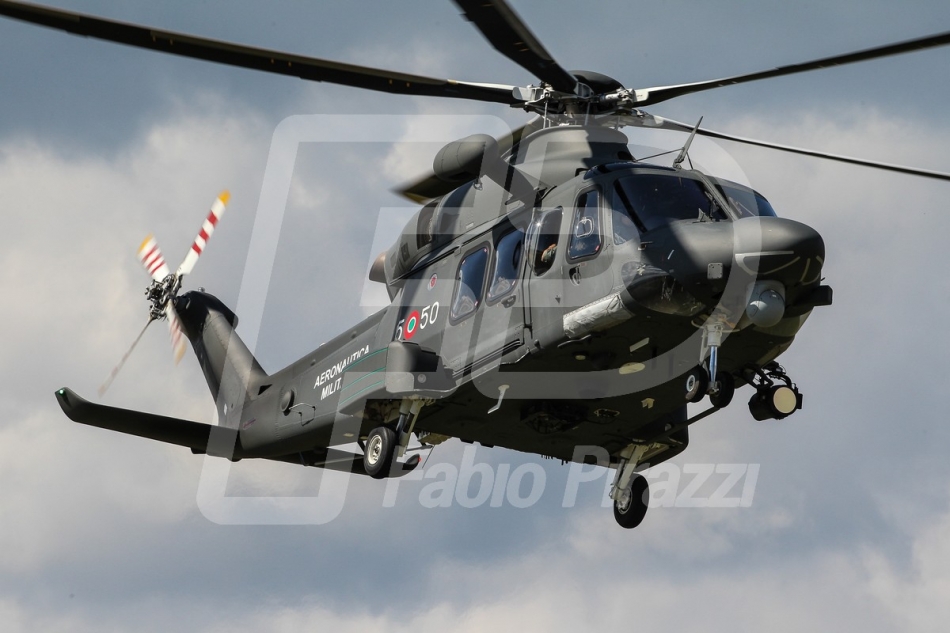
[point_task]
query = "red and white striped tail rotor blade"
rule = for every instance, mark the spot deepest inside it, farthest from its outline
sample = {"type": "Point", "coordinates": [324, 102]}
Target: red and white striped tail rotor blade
{"type": "Point", "coordinates": [217, 210]}
{"type": "Point", "coordinates": [151, 257]}
{"type": "Point", "coordinates": [175, 331]}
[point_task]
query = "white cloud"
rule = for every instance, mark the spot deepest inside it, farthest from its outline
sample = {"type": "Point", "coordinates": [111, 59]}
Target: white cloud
{"type": "Point", "coordinates": [73, 304]}
{"type": "Point", "coordinates": [916, 594]}
{"type": "Point", "coordinates": [73, 492]}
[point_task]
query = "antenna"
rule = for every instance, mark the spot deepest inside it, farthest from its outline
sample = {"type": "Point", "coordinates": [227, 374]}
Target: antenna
{"type": "Point", "coordinates": [689, 141]}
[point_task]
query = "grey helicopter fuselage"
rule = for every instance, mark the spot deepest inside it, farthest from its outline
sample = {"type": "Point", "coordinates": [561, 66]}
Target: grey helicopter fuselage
{"type": "Point", "coordinates": [572, 311]}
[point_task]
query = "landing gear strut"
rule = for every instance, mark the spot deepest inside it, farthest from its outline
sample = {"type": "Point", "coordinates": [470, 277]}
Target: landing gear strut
{"type": "Point", "coordinates": [706, 378]}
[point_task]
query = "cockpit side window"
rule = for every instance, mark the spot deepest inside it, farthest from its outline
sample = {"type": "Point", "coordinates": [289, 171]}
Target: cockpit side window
{"type": "Point", "coordinates": [624, 228]}
{"type": "Point", "coordinates": [470, 283]}
{"type": "Point", "coordinates": [747, 202]}
{"type": "Point", "coordinates": [585, 234]}
{"type": "Point", "coordinates": [654, 200]}
{"type": "Point", "coordinates": [507, 266]}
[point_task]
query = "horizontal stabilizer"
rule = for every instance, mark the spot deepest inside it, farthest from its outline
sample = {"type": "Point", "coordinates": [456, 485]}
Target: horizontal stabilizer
{"type": "Point", "coordinates": [193, 435]}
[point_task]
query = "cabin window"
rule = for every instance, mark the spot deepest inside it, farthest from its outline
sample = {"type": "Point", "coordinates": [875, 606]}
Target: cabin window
{"type": "Point", "coordinates": [546, 232]}
{"type": "Point", "coordinates": [470, 282]}
{"type": "Point", "coordinates": [654, 200]}
{"type": "Point", "coordinates": [507, 267]}
{"type": "Point", "coordinates": [585, 234]}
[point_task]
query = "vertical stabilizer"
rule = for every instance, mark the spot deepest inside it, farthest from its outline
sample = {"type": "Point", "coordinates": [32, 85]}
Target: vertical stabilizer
{"type": "Point", "coordinates": [230, 369]}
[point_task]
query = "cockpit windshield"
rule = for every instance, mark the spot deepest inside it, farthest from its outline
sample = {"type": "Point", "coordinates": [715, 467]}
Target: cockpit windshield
{"type": "Point", "coordinates": [747, 202]}
{"type": "Point", "coordinates": [653, 200]}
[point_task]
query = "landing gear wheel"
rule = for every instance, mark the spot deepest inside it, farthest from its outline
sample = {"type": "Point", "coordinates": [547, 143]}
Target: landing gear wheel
{"type": "Point", "coordinates": [697, 383]}
{"type": "Point", "coordinates": [727, 389]}
{"type": "Point", "coordinates": [631, 506]}
{"type": "Point", "coordinates": [379, 453]}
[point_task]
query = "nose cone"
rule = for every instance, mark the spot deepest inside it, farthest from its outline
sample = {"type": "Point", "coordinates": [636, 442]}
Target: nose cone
{"type": "Point", "coordinates": [778, 249]}
{"type": "Point", "coordinates": [709, 260]}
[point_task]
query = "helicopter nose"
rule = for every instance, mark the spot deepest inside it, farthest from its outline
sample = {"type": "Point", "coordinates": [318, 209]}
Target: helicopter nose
{"type": "Point", "coordinates": [778, 249]}
{"type": "Point", "coordinates": [691, 265]}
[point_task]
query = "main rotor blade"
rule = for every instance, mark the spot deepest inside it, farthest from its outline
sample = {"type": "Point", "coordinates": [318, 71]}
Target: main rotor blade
{"type": "Point", "coordinates": [309, 68]}
{"type": "Point", "coordinates": [207, 228]}
{"type": "Point", "coordinates": [669, 124]}
{"type": "Point", "coordinates": [510, 36]}
{"type": "Point", "coordinates": [649, 96]}
{"type": "Point", "coordinates": [115, 370]}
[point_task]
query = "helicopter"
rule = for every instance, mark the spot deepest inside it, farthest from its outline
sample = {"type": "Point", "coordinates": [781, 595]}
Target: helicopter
{"type": "Point", "coordinates": [552, 293]}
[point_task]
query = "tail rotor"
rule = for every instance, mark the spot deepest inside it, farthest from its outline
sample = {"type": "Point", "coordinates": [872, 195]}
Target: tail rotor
{"type": "Point", "coordinates": [165, 285]}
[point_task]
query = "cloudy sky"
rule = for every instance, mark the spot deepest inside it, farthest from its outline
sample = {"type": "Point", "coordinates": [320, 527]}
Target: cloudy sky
{"type": "Point", "coordinates": [99, 145]}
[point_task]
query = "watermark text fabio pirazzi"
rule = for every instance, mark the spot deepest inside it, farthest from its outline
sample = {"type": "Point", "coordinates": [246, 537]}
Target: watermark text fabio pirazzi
{"type": "Point", "coordinates": [473, 484]}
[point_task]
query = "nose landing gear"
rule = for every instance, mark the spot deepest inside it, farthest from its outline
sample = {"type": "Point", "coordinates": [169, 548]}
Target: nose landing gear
{"type": "Point", "coordinates": [776, 396]}
{"type": "Point", "coordinates": [700, 381]}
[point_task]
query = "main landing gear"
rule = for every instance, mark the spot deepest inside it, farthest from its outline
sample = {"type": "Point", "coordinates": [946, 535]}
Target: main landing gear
{"type": "Point", "coordinates": [630, 491]}
{"type": "Point", "coordinates": [631, 505]}
{"type": "Point", "coordinates": [384, 443]}
{"type": "Point", "coordinates": [380, 452]}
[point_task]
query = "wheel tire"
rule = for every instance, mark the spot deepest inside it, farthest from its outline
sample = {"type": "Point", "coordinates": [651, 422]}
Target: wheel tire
{"type": "Point", "coordinates": [697, 384]}
{"type": "Point", "coordinates": [631, 506]}
{"type": "Point", "coordinates": [379, 452]}
{"type": "Point", "coordinates": [727, 389]}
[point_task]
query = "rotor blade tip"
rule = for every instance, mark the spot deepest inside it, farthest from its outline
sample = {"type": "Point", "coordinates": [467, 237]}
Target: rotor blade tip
{"type": "Point", "coordinates": [145, 242]}
{"type": "Point", "coordinates": [225, 196]}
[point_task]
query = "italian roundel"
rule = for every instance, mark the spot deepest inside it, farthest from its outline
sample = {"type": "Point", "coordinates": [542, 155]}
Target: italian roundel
{"type": "Point", "coordinates": [411, 325]}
